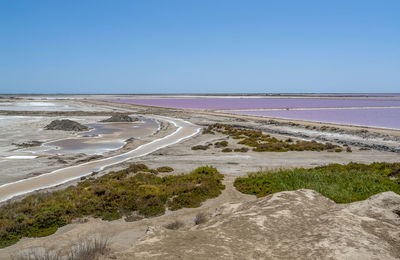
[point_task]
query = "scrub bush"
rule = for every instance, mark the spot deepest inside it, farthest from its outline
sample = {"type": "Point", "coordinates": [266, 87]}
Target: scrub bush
{"type": "Point", "coordinates": [265, 143]}
{"type": "Point", "coordinates": [165, 169]}
{"type": "Point", "coordinates": [109, 197]}
{"type": "Point", "coordinates": [221, 144]}
{"type": "Point", "coordinates": [341, 183]}
{"type": "Point", "coordinates": [200, 147]}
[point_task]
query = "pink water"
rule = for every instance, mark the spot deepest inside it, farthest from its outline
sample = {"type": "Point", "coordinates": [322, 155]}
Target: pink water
{"type": "Point", "coordinates": [378, 117]}
{"type": "Point", "coordinates": [256, 103]}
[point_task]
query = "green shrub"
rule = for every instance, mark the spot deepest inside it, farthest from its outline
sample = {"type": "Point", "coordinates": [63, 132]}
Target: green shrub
{"type": "Point", "coordinates": [165, 169]}
{"type": "Point", "coordinates": [241, 150]}
{"type": "Point", "coordinates": [265, 143]}
{"type": "Point", "coordinates": [200, 147]}
{"type": "Point", "coordinates": [226, 150]}
{"type": "Point", "coordinates": [208, 130]}
{"type": "Point", "coordinates": [109, 197]}
{"type": "Point", "coordinates": [221, 144]}
{"type": "Point", "coordinates": [341, 183]}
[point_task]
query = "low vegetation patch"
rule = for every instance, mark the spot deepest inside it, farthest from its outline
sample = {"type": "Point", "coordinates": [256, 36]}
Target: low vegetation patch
{"type": "Point", "coordinates": [241, 150]}
{"type": "Point", "coordinates": [221, 144]}
{"type": "Point", "coordinates": [109, 197]}
{"type": "Point", "coordinates": [226, 150]}
{"type": "Point", "coordinates": [265, 143]}
{"type": "Point", "coordinates": [341, 183]}
{"type": "Point", "coordinates": [165, 169]}
{"type": "Point", "coordinates": [200, 147]}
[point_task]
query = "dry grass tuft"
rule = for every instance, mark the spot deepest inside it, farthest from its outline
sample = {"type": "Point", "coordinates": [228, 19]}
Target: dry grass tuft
{"type": "Point", "coordinates": [88, 249]}
{"type": "Point", "coordinates": [174, 225]}
{"type": "Point", "coordinates": [200, 218]}
{"type": "Point", "coordinates": [36, 254]}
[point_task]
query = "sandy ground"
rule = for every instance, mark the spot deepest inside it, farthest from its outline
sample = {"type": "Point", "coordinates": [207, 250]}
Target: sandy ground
{"type": "Point", "coordinates": [298, 224]}
{"type": "Point", "coordinates": [127, 238]}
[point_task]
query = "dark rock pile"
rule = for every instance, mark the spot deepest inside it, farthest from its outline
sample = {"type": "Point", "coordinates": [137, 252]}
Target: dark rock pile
{"type": "Point", "coordinates": [120, 118]}
{"type": "Point", "coordinates": [66, 125]}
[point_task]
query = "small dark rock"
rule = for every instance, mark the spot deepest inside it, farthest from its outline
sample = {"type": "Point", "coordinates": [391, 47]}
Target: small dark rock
{"type": "Point", "coordinates": [28, 144]}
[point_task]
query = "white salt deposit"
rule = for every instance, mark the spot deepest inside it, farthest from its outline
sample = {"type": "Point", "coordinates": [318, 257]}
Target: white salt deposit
{"type": "Point", "coordinates": [21, 157]}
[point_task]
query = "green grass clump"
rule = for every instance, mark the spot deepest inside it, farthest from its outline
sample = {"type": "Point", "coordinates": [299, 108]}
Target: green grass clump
{"type": "Point", "coordinates": [265, 143]}
{"type": "Point", "coordinates": [109, 197]}
{"type": "Point", "coordinates": [341, 183]}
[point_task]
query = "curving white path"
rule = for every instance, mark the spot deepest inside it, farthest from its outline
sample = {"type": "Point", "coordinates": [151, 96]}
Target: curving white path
{"type": "Point", "coordinates": [185, 130]}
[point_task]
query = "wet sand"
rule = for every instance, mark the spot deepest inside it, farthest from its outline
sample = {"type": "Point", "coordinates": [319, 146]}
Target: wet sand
{"type": "Point", "coordinates": [57, 177]}
{"type": "Point", "coordinates": [103, 137]}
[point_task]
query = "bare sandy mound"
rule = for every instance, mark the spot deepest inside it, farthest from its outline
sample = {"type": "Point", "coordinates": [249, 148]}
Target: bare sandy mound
{"type": "Point", "coordinates": [287, 225]}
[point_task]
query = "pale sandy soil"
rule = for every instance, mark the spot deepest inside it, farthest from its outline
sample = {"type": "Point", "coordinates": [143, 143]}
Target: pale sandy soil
{"type": "Point", "coordinates": [298, 224]}
{"type": "Point", "coordinates": [350, 230]}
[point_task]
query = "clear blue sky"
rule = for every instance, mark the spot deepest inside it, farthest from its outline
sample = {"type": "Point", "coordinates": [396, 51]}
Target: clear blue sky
{"type": "Point", "coordinates": [186, 46]}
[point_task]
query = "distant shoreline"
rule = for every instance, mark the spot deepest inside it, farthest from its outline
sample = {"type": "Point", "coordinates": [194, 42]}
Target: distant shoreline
{"type": "Point", "coordinates": [377, 94]}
